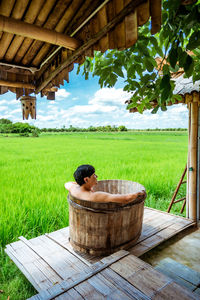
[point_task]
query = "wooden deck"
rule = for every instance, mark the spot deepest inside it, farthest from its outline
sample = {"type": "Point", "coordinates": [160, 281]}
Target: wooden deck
{"type": "Point", "coordinates": [56, 271]}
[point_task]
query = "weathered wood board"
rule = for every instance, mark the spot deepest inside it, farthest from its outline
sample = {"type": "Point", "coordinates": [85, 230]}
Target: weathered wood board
{"type": "Point", "coordinates": [49, 261]}
{"type": "Point", "coordinates": [124, 278]}
{"type": "Point", "coordinates": [180, 273]}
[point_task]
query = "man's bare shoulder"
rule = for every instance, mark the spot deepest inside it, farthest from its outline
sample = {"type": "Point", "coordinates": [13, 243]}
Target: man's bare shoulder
{"type": "Point", "coordinates": [70, 185]}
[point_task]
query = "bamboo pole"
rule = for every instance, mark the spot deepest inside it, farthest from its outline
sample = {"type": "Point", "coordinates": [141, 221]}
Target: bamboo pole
{"type": "Point", "coordinates": [17, 13]}
{"type": "Point", "coordinates": [5, 9]}
{"type": "Point", "coordinates": [31, 14]}
{"type": "Point", "coordinates": [60, 27]}
{"type": "Point", "coordinates": [17, 84]}
{"type": "Point", "coordinates": [155, 10]}
{"type": "Point", "coordinates": [24, 85]}
{"type": "Point", "coordinates": [119, 30]}
{"type": "Point", "coordinates": [188, 162]}
{"type": "Point", "coordinates": [53, 17]}
{"type": "Point", "coordinates": [193, 162]}
{"type": "Point", "coordinates": [198, 168]}
{"type": "Point", "coordinates": [42, 16]}
{"type": "Point", "coordinates": [13, 26]}
{"type": "Point", "coordinates": [131, 29]}
{"type": "Point", "coordinates": [102, 18]}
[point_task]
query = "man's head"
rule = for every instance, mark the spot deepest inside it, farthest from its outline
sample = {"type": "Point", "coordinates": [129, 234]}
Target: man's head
{"type": "Point", "coordinates": [83, 174]}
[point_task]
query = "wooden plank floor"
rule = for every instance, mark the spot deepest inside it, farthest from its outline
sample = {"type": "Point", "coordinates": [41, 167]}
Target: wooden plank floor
{"type": "Point", "coordinates": [181, 274]}
{"type": "Point", "coordinates": [157, 227]}
{"type": "Point", "coordinates": [119, 276]}
{"type": "Point", "coordinates": [49, 260]}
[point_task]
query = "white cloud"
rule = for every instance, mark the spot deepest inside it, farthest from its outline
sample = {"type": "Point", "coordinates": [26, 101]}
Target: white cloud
{"type": "Point", "coordinates": [2, 108]}
{"type": "Point", "coordinates": [89, 109]}
{"type": "Point", "coordinates": [110, 96]}
{"type": "Point", "coordinates": [179, 108]}
{"type": "Point", "coordinates": [15, 111]}
{"type": "Point", "coordinates": [61, 94]}
{"type": "Point", "coordinates": [9, 102]}
{"type": "Point", "coordinates": [75, 98]}
{"type": "Point", "coordinates": [2, 102]}
{"type": "Point", "coordinates": [14, 101]}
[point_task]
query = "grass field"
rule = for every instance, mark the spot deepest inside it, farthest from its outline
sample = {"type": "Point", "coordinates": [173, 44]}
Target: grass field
{"type": "Point", "coordinates": [33, 172]}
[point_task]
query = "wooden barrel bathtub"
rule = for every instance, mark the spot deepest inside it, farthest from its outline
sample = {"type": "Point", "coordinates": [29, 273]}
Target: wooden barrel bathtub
{"type": "Point", "coordinates": [103, 228]}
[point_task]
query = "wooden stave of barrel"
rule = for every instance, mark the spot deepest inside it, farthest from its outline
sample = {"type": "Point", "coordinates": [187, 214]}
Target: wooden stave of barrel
{"type": "Point", "coordinates": [103, 228]}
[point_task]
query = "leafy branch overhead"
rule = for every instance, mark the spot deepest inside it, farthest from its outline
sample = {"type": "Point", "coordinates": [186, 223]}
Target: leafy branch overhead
{"type": "Point", "coordinates": [177, 45]}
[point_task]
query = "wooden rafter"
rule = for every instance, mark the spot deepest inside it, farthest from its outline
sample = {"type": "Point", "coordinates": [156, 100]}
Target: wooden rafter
{"type": "Point", "coordinates": [17, 27]}
{"type": "Point", "coordinates": [17, 84]}
{"type": "Point", "coordinates": [126, 11]}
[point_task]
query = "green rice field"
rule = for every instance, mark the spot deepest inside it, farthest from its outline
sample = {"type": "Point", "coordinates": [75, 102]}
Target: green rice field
{"type": "Point", "coordinates": [33, 172]}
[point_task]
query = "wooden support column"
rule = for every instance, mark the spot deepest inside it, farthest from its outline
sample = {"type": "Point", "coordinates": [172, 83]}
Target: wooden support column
{"type": "Point", "coordinates": [188, 162]}
{"type": "Point", "coordinates": [192, 168]}
{"type": "Point", "coordinates": [198, 168]}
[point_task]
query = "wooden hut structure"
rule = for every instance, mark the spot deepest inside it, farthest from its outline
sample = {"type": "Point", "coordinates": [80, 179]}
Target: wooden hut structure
{"type": "Point", "coordinates": [40, 40]}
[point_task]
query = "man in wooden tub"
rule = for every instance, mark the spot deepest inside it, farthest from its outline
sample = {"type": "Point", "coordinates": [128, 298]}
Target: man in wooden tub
{"type": "Point", "coordinates": [86, 179]}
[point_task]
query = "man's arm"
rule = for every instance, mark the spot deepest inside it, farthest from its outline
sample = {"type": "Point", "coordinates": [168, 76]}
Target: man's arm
{"type": "Point", "coordinates": [119, 198]}
{"type": "Point", "coordinates": [69, 185]}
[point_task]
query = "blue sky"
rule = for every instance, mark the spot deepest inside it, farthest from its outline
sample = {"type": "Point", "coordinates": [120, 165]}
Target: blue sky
{"type": "Point", "coordinates": [82, 103]}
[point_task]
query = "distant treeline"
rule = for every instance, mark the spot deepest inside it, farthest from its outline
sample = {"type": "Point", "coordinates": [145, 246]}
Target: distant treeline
{"type": "Point", "coordinates": [24, 129]}
{"type": "Point", "coordinates": [160, 129]}
{"type": "Point", "coordinates": [71, 128]}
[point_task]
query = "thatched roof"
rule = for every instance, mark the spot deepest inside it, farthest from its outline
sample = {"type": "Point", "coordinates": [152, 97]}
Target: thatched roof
{"type": "Point", "coordinates": [41, 40]}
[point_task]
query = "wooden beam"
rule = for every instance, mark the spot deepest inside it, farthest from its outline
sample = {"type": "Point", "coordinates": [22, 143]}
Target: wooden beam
{"type": "Point", "coordinates": [24, 85]}
{"type": "Point", "coordinates": [126, 11]}
{"type": "Point", "coordinates": [17, 84]}
{"type": "Point", "coordinates": [17, 27]}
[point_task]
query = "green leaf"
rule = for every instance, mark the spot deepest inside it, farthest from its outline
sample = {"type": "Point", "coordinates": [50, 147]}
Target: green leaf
{"type": "Point", "coordinates": [154, 41]}
{"type": "Point", "coordinates": [126, 88]}
{"type": "Point", "coordinates": [165, 82]}
{"type": "Point", "coordinates": [165, 95]}
{"type": "Point", "coordinates": [163, 108]}
{"type": "Point", "coordinates": [148, 64]}
{"type": "Point", "coordinates": [166, 70]}
{"type": "Point", "coordinates": [182, 58]}
{"type": "Point", "coordinates": [173, 57]}
{"type": "Point", "coordinates": [188, 66]}
{"type": "Point", "coordinates": [194, 41]}
{"type": "Point", "coordinates": [112, 80]}
{"type": "Point", "coordinates": [119, 72]}
{"type": "Point", "coordinates": [177, 97]}
{"type": "Point", "coordinates": [154, 111]}
{"type": "Point", "coordinates": [131, 71]}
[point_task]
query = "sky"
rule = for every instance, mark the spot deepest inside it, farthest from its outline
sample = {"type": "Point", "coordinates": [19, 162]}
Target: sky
{"type": "Point", "coordinates": [82, 103]}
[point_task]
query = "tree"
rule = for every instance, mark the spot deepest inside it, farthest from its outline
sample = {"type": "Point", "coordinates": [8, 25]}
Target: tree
{"type": "Point", "coordinates": [178, 46]}
{"type": "Point", "coordinates": [122, 128]}
{"type": "Point", "coordinates": [5, 121]}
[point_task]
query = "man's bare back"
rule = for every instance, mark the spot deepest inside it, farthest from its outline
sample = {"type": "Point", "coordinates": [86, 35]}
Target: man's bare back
{"type": "Point", "coordinates": [84, 188]}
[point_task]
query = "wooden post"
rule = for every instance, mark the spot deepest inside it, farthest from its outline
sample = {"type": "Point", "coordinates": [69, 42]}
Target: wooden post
{"type": "Point", "coordinates": [198, 168]}
{"type": "Point", "coordinates": [192, 185]}
{"type": "Point", "coordinates": [188, 162]}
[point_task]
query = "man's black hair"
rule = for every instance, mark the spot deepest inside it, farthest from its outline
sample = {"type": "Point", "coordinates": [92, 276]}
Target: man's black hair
{"type": "Point", "coordinates": [82, 172]}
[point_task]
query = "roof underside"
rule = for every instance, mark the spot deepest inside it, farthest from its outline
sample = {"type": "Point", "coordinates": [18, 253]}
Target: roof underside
{"type": "Point", "coordinates": [40, 40]}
